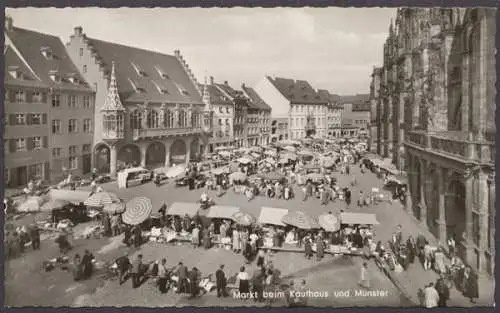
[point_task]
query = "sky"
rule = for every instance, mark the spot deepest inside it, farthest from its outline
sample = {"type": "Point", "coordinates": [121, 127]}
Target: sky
{"type": "Point", "coordinates": [332, 48]}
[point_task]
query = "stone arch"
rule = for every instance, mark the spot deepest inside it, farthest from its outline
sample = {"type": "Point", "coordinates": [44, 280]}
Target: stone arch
{"type": "Point", "coordinates": [155, 154]}
{"type": "Point", "coordinates": [455, 206]}
{"type": "Point", "coordinates": [129, 155]}
{"type": "Point", "coordinates": [178, 151]}
{"type": "Point", "coordinates": [102, 158]}
{"type": "Point", "coordinates": [431, 194]}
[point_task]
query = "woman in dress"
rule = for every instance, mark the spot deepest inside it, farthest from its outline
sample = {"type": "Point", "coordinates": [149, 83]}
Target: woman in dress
{"type": "Point", "coordinates": [207, 242]}
{"type": "Point", "coordinates": [364, 280]}
{"type": "Point", "coordinates": [320, 248]}
{"type": "Point", "coordinates": [236, 240]}
{"type": "Point", "coordinates": [308, 247]}
{"type": "Point", "coordinates": [242, 279]}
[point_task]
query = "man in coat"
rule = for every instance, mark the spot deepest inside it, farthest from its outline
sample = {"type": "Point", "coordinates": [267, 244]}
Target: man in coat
{"type": "Point", "coordinates": [257, 284]}
{"type": "Point", "coordinates": [136, 271]}
{"type": "Point", "coordinates": [124, 265]}
{"type": "Point", "coordinates": [443, 292]}
{"type": "Point", "coordinates": [182, 273]}
{"type": "Point", "coordinates": [220, 278]}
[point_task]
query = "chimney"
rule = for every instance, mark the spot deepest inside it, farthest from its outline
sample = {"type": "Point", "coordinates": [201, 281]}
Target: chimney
{"type": "Point", "coordinates": [226, 83]}
{"type": "Point", "coordinates": [9, 23]}
{"type": "Point", "coordinates": [78, 31]}
{"type": "Point", "coordinates": [243, 86]}
{"type": "Point", "coordinates": [211, 80]}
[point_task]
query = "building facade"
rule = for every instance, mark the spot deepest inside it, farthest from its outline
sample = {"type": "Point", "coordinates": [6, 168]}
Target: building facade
{"type": "Point", "coordinates": [240, 105]}
{"type": "Point", "coordinates": [444, 109]}
{"type": "Point", "coordinates": [148, 107]}
{"type": "Point", "coordinates": [374, 142]}
{"type": "Point", "coordinates": [223, 111]}
{"type": "Point", "coordinates": [48, 110]}
{"type": "Point", "coordinates": [355, 115]}
{"type": "Point", "coordinates": [260, 112]}
{"type": "Point", "coordinates": [297, 101]}
{"type": "Point", "coordinates": [333, 113]}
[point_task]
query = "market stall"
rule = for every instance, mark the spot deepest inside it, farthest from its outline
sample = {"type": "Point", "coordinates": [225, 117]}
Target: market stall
{"type": "Point", "coordinates": [222, 211]}
{"type": "Point", "coordinates": [272, 216]}
{"type": "Point", "coordinates": [74, 196]}
{"type": "Point", "coordinates": [183, 208]}
{"type": "Point", "coordinates": [351, 218]}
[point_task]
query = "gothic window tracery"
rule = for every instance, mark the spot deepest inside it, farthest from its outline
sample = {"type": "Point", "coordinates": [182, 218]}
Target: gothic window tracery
{"type": "Point", "coordinates": [153, 119]}
{"type": "Point", "coordinates": [136, 119]}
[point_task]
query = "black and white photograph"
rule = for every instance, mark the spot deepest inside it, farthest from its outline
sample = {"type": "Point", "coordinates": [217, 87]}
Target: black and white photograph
{"type": "Point", "coordinates": [249, 157]}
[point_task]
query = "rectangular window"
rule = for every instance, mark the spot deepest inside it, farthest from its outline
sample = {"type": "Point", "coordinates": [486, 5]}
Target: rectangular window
{"type": "Point", "coordinates": [20, 119]}
{"type": "Point", "coordinates": [56, 127]}
{"type": "Point", "coordinates": [86, 102]}
{"type": "Point", "coordinates": [81, 52]}
{"type": "Point", "coordinates": [20, 96]}
{"type": "Point", "coordinates": [20, 144]}
{"type": "Point", "coordinates": [56, 152]}
{"type": "Point", "coordinates": [86, 148]}
{"type": "Point", "coordinates": [37, 143]}
{"type": "Point", "coordinates": [72, 101]}
{"type": "Point", "coordinates": [35, 171]}
{"type": "Point", "coordinates": [84, 69]}
{"type": "Point", "coordinates": [72, 150]}
{"type": "Point", "coordinates": [36, 119]}
{"type": "Point", "coordinates": [56, 101]}
{"type": "Point", "coordinates": [37, 96]}
{"type": "Point", "coordinates": [87, 125]}
{"type": "Point", "coordinates": [72, 126]}
{"type": "Point", "coordinates": [73, 163]}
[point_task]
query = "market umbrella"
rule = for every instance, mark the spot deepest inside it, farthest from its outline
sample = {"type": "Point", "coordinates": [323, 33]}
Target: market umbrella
{"type": "Point", "coordinates": [138, 210]}
{"type": "Point", "coordinates": [100, 199]}
{"type": "Point", "coordinates": [290, 148]}
{"type": "Point", "coordinates": [255, 149]}
{"type": "Point", "coordinates": [244, 160]}
{"type": "Point", "coordinates": [237, 176]}
{"type": "Point", "coordinates": [225, 154]}
{"type": "Point", "coordinates": [242, 218]}
{"type": "Point", "coordinates": [175, 171]}
{"type": "Point", "coordinates": [272, 176]}
{"type": "Point", "coordinates": [306, 153]}
{"type": "Point", "coordinates": [270, 152]}
{"type": "Point", "coordinates": [54, 204]}
{"type": "Point", "coordinates": [113, 208]}
{"type": "Point", "coordinates": [300, 220]}
{"type": "Point", "coordinates": [315, 176]}
{"type": "Point", "coordinates": [255, 154]}
{"type": "Point", "coordinates": [270, 160]}
{"type": "Point", "coordinates": [291, 156]}
{"type": "Point", "coordinates": [329, 222]}
{"type": "Point", "coordinates": [220, 170]}
{"type": "Point", "coordinates": [32, 204]}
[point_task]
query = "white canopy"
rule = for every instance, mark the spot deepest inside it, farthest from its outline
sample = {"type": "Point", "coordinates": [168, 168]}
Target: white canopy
{"type": "Point", "coordinates": [183, 208]}
{"type": "Point", "coordinates": [358, 218]}
{"type": "Point", "coordinates": [272, 216]}
{"type": "Point", "coordinates": [222, 211]}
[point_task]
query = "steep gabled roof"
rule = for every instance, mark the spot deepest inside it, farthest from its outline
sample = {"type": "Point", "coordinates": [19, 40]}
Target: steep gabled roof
{"type": "Point", "coordinates": [144, 75]}
{"type": "Point", "coordinates": [255, 100]}
{"type": "Point", "coordinates": [296, 91]}
{"type": "Point", "coordinates": [31, 44]}
{"type": "Point", "coordinates": [217, 97]}
{"type": "Point", "coordinates": [13, 61]}
{"type": "Point", "coordinates": [355, 99]}
{"type": "Point", "coordinates": [229, 91]}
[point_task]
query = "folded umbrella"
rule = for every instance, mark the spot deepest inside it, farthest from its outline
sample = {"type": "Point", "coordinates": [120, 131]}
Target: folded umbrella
{"type": "Point", "coordinates": [300, 220]}
{"type": "Point", "coordinates": [137, 211]}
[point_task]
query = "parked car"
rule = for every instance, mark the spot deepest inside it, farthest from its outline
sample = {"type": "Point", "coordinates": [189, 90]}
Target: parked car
{"type": "Point", "coordinates": [199, 181]}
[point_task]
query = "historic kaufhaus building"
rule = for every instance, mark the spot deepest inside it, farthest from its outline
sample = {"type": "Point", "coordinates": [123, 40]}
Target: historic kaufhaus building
{"type": "Point", "coordinates": [436, 115]}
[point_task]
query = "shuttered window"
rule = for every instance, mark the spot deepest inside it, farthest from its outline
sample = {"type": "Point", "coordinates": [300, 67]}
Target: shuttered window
{"type": "Point", "coordinates": [20, 144]}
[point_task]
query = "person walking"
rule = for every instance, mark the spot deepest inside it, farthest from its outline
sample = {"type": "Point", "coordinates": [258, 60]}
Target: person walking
{"type": "Point", "coordinates": [471, 285]}
{"type": "Point", "coordinates": [163, 275]}
{"type": "Point", "coordinates": [364, 280]}
{"type": "Point", "coordinates": [182, 274]}
{"type": "Point", "coordinates": [221, 282]}
{"type": "Point", "coordinates": [243, 281]}
{"type": "Point", "coordinates": [308, 247]}
{"type": "Point", "coordinates": [258, 284]}
{"type": "Point", "coordinates": [123, 264]}
{"type": "Point", "coordinates": [35, 237]}
{"type": "Point", "coordinates": [195, 236]}
{"type": "Point", "coordinates": [136, 271]}
{"type": "Point", "coordinates": [194, 277]}
{"type": "Point", "coordinates": [320, 248]}
{"type": "Point", "coordinates": [443, 292]}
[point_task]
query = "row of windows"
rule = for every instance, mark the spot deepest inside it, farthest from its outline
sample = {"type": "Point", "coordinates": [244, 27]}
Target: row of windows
{"type": "Point", "coordinates": [153, 119]}
{"type": "Point", "coordinates": [221, 109]}
{"type": "Point", "coordinates": [309, 108]}
{"type": "Point", "coordinates": [27, 119]}
{"type": "Point", "coordinates": [22, 96]}
{"type": "Point", "coordinates": [57, 126]}
{"type": "Point", "coordinates": [26, 144]}
{"type": "Point", "coordinates": [301, 122]}
{"type": "Point", "coordinates": [360, 122]}
{"type": "Point", "coordinates": [72, 150]}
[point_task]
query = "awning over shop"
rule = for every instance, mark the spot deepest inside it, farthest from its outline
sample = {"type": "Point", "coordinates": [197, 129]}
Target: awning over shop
{"type": "Point", "coordinates": [75, 196]}
{"type": "Point", "coordinates": [183, 208]}
{"type": "Point", "coordinates": [358, 218]}
{"type": "Point", "coordinates": [272, 216]}
{"type": "Point", "coordinates": [222, 211]}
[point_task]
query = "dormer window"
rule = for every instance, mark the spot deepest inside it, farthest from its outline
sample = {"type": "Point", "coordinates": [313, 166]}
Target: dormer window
{"type": "Point", "coordinates": [54, 75]}
{"type": "Point", "coordinates": [137, 88]}
{"type": "Point", "coordinates": [139, 71]}
{"type": "Point", "coordinates": [47, 53]}
{"type": "Point", "coordinates": [161, 89]}
{"type": "Point", "coordinates": [162, 73]}
{"type": "Point", "coordinates": [182, 90]}
{"type": "Point", "coordinates": [73, 79]}
{"type": "Point", "coordinates": [15, 72]}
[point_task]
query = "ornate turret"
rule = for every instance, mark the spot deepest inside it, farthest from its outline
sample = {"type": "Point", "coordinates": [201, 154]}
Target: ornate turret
{"type": "Point", "coordinates": [113, 112]}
